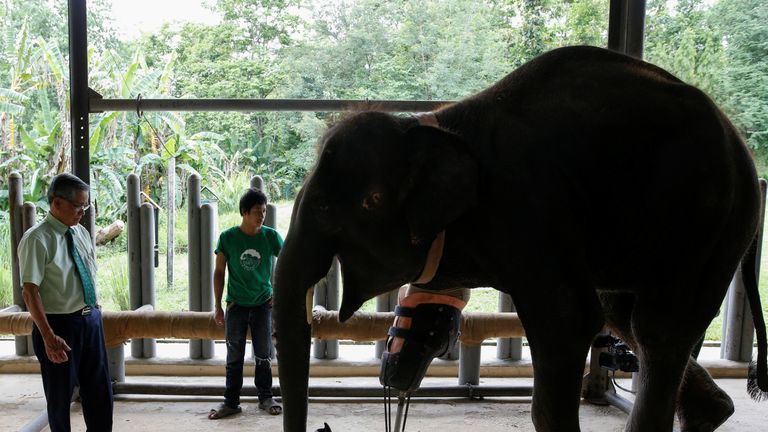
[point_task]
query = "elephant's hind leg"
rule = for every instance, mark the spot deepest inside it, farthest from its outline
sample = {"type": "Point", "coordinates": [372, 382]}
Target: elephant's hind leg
{"type": "Point", "coordinates": [665, 329]}
{"type": "Point", "coordinates": [663, 362]}
{"type": "Point", "coordinates": [702, 406]}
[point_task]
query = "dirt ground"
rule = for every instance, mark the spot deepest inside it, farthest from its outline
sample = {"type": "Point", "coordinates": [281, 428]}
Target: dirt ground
{"type": "Point", "coordinates": [21, 401]}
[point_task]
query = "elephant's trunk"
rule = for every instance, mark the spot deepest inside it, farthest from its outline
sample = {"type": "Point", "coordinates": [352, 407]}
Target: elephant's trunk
{"type": "Point", "coordinates": [303, 261]}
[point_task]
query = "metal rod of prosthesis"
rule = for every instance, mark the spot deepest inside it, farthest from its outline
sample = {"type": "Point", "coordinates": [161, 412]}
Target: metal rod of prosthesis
{"type": "Point", "coordinates": [401, 415]}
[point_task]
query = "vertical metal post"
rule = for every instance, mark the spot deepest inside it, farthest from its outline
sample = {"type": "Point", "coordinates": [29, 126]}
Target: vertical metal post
{"type": "Point", "coordinates": [508, 348]}
{"type": "Point", "coordinates": [116, 360]}
{"type": "Point", "coordinates": [626, 31]}
{"type": "Point", "coordinates": [469, 364]}
{"type": "Point", "coordinates": [28, 220]}
{"type": "Point", "coordinates": [332, 302]}
{"type": "Point", "coordinates": [318, 298]}
{"type": "Point", "coordinates": [257, 182]}
{"type": "Point", "coordinates": [171, 222]}
{"type": "Point", "coordinates": [79, 98]}
{"type": "Point", "coordinates": [208, 230]}
{"type": "Point", "coordinates": [147, 215]}
{"type": "Point", "coordinates": [626, 27]}
{"type": "Point", "coordinates": [384, 303]}
{"type": "Point", "coordinates": [327, 295]}
{"type": "Point", "coordinates": [133, 206]}
{"type": "Point", "coordinates": [597, 382]}
{"type": "Point", "coordinates": [15, 203]}
{"type": "Point", "coordinates": [271, 221]}
{"type": "Point", "coordinates": [193, 239]}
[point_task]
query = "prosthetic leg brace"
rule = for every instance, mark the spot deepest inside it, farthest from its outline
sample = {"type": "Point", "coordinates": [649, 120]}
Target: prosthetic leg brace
{"type": "Point", "coordinates": [426, 326]}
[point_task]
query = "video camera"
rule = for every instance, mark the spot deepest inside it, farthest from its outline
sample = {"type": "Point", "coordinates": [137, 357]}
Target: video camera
{"type": "Point", "coordinates": [618, 356]}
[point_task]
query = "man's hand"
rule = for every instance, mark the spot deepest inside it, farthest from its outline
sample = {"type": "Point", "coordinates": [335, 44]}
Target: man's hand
{"type": "Point", "coordinates": [218, 316]}
{"type": "Point", "coordinates": [56, 349]}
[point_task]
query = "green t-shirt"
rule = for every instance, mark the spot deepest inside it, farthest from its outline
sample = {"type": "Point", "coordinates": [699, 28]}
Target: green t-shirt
{"type": "Point", "coordinates": [249, 264]}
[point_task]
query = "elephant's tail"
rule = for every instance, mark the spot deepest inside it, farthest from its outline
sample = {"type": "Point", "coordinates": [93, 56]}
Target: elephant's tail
{"type": "Point", "coordinates": [757, 381]}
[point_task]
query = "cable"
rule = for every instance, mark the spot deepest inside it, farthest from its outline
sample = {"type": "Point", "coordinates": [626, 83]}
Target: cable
{"type": "Point", "coordinates": [613, 377]}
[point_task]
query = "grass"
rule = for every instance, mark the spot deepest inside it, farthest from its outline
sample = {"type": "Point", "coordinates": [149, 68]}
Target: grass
{"type": "Point", "coordinates": [112, 278]}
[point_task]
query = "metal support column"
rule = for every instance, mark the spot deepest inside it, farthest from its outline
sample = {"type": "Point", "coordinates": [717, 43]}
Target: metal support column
{"type": "Point", "coordinates": [28, 220]}
{"type": "Point", "coordinates": [626, 31]}
{"type": "Point", "coordinates": [79, 98]}
{"type": "Point", "coordinates": [15, 204]}
{"type": "Point", "coordinates": [469, 364]}
{"type": "Point", "coordinates": [147, 215]}
{"type": "Point", "coordinates": [327, 295]}
{"type": "Point", "coordinates": [384, 303]}
{"type": "Point", "coordinates": [133, 206]}
{"type": "Point", "coordinates": [508, 348]}
{"type": "Point", "coordinates": [193, 257]}
{"type": "Point", "coordinates": [208, 230]}
{"type": "Point", "coordinates": [626, 27]}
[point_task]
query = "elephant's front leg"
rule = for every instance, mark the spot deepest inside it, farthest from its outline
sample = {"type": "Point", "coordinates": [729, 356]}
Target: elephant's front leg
{"type": "Point", "coordinates": [560, 327]}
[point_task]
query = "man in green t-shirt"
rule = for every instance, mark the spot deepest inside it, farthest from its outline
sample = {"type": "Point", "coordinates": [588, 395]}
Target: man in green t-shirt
{"type": "Point", "coordinates": [247, 252]}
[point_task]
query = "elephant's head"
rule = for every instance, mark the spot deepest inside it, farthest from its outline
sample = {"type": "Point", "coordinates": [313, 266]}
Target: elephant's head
{"type": "Point", "coordinates": [382, 189]}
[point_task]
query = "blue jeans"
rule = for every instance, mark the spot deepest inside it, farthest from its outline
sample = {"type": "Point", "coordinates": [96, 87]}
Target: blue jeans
{"type": "Point", "coordinates": [236, 322]}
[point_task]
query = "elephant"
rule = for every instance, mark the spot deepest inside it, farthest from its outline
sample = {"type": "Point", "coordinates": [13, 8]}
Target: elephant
{"type": "Point", "coordinates": [594, 188]}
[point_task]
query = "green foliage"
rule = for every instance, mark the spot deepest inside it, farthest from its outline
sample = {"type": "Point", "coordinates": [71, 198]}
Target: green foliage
{"type": "Point", "coordinates": [114, 286]}
{"type": "Point", "coordinates": [346, 49]}
{"type": "Point", "coordinates": [745, 81]}
{"type": "Point", "coordinates": [6, 278]}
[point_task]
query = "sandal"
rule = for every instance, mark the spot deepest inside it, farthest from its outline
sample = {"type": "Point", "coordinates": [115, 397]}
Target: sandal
{"type": "Point", "coordinates": [270, 406]}
{"type": "Point", "coordinates": [223, 411]}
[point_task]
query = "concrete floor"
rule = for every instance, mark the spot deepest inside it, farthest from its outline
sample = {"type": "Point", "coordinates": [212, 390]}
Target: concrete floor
{"type": "Point", "coordinates": [21, 401]}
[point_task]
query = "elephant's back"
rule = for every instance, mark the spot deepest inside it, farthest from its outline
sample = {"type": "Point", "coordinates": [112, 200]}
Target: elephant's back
{"type": "Point", "coordinates": [610, 153]}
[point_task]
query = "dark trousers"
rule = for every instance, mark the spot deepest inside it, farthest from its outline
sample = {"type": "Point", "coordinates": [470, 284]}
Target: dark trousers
{"type": "Point", "coordinates": [237, 320]}
{"type": "Point", "coordinates": [87, 367]}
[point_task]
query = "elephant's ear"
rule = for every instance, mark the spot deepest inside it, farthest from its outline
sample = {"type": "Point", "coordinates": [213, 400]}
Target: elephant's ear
{"type": "Point", "coordinates": [441, 183]}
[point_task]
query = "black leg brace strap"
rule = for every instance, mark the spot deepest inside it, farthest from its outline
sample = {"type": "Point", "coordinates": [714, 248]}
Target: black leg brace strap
{"type": "Point", "coordinates": [434, 330]}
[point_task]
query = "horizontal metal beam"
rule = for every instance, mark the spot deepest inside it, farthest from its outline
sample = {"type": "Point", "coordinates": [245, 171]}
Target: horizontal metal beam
{"type": "Point", "coordinates": [324, 391]}
{"type": "Point", "coordinates": [139, 105]}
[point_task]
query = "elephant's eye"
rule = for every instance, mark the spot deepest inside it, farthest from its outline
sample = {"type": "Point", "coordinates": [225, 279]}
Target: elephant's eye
{"type": "Point", "coordinates": [372, 200]}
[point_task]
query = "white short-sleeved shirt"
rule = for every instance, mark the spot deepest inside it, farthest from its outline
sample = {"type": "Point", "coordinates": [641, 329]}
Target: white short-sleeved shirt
{"type": "Point", "coordinates": [44, 260]}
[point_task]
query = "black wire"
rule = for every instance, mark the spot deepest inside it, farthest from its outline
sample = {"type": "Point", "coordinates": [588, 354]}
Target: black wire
{"type": "Point", "coordinates": [387, 414]}
{"type": "Point", "coordinates": [613, 377]}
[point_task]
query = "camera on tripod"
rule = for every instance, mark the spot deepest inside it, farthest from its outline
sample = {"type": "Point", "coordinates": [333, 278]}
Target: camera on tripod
{"type": "Point", "coordinates": [618, 356]}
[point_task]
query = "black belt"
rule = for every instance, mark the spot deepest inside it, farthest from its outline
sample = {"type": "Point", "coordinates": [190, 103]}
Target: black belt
{"type": "Point", "coordinates": [84, 311]}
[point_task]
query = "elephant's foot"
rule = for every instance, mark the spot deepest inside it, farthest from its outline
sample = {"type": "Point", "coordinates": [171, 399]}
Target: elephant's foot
{"type": "Point", "coordinates": [703, 406]}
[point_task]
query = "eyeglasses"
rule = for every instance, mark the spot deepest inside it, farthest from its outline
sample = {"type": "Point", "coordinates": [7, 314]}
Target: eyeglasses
{"type": "Point", "coordinates": [79, 207]}
{"type": "Point", "coordinates": [76, 206]}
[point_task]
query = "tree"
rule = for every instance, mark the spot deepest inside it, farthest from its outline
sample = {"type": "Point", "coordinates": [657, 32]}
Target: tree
{"type": "Point", "coordinates": [745, 75]}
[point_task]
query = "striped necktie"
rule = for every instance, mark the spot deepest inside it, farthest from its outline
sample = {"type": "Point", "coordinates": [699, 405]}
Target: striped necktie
{"type": "Point", "coordinates": [89, 291]}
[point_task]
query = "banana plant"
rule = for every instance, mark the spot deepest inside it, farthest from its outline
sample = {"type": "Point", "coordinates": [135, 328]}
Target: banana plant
{"type": "Point", "coordinates": [13, 98]}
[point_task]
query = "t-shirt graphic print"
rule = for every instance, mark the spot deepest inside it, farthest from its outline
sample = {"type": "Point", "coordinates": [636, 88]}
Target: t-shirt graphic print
{"type": "Point", "coordinates": [250, 259]}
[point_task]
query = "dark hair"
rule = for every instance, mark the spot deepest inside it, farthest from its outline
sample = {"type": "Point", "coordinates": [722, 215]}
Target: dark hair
{"type": "Point", "coordinates": [251, 197]}
{"type": "Point", "coordinates": [64, 186]}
